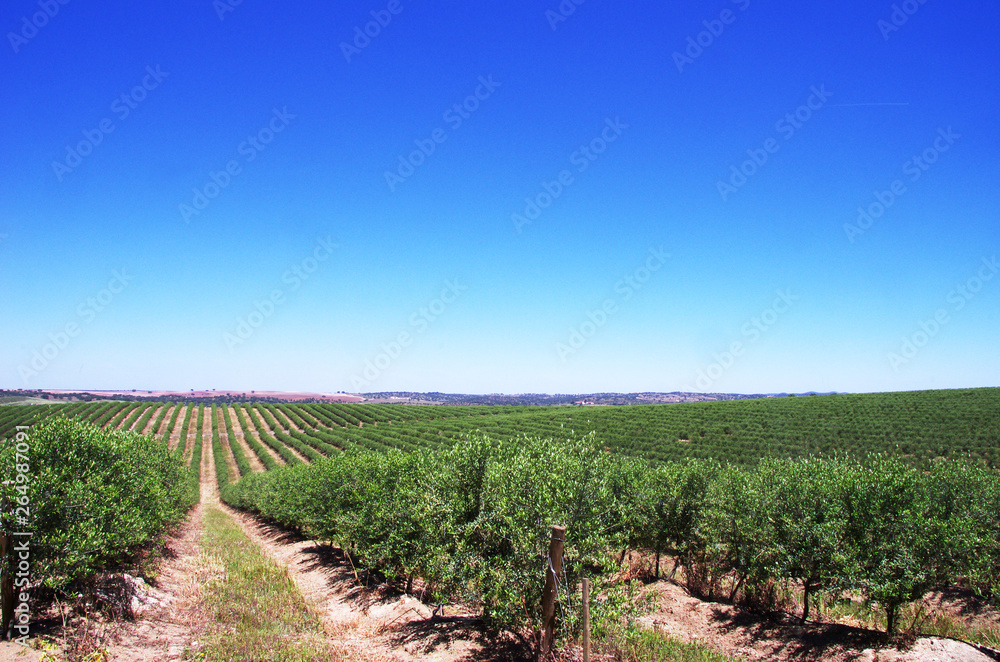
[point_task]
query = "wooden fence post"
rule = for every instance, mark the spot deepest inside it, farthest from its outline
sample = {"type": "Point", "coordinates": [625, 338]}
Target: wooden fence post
{"type": "Point", "coordinates": [553, 571]}
{"type": "Point", "coordinates": [586, 619]}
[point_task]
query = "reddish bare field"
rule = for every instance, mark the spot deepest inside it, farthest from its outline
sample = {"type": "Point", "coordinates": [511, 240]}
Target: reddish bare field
{"type": "Point", "coordinates": [287, 396]}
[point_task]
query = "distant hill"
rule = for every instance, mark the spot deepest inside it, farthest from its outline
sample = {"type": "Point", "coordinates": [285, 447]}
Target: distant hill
{"type": "Point", "coordinates": [202, 395]}
{"type": "Point", "coordinates": [384, 397]}
{"type": "Point", "coordinates": [548, 400]}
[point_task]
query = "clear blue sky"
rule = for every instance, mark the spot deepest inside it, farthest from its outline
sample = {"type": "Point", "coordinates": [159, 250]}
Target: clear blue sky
{"type": "Point", "coordinates": [576, 220]}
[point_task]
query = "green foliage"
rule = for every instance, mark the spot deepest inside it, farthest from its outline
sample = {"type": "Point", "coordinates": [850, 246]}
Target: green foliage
{"type": "Point", "coordinates": [914, 531]}
{"type": "Point", "coordinates": [640, 644]}
{"type": "Point", "coordinates": [669, 507]}
{"type": "Point", "coordinates": [767, 496]}
{"type": "Point", "coordinates": [94, 496]}
{"type": "Point", "coordinates": [158, 423]}
{"type": "Point", "coordinates": [287, 455]}
{"type": "Point", "coordinates": [256, 611]}
{"type": "Point", "coordinates": [182, 438]}
{"type": "Point", "coordinates": [807, 522]}
{"type": "Point", "coordinates": [917, 426]}
{"type": "Point", "coordinates": [222, 474]}
{"type": "Point", "coordinates": [878, 526]}
{"type": "Point", "coordinates": [239, 457]}
{"type": "Point", "coordinates": [264, 457]}
{"type": "Point", "coordinates": [472, 521]}
{"type": "Point", "coordinates": [518, 490]}
{"type": "Point", "coordinates": [199, 440]}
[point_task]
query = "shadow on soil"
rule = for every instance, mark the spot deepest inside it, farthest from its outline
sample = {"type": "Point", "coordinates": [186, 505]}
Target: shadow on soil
{"type": "Point", "coordinates": [780, 633]}
{"type": "Point", "coordinates": [430, 635]}
{"type": "Point", "coordinates": [366, 589]}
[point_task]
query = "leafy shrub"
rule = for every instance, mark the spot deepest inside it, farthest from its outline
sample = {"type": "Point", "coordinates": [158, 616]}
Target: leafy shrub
{"type": "Point", "coordinates": [94, 495]}
{"type": "Point", "coordinates": [473, 520]}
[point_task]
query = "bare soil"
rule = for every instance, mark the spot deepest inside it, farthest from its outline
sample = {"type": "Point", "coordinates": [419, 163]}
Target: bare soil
{"type": "Point", "coordinates": [314, 420]}
{"type": "Point", "coordinates": [177, 432]}
{"type": "Point", "coordinates": [284, 421]}
{"type": "Point", "coordinates": [227, 453]}
{"type": "Point", "coordinates": [171, 627]}
{"type": "Point", "coordinates": [141, 408]}
{"type": "Point", "coordinates": [14, 652]}
{"type": "Point", "coordinates": [378, 622]}
{"type": "Point", "coordinates": [147, 429]}
{"type": "Point", "coordinates": [268, 430]}
{"type": "Point", "coordinates": [752, 636]}
{"type": "Point", "coordinates": [159, 432]}
{"type": "Point", "coordinates": [287, 396]}
{"type": "Point", "coordinates": [206, 434]}
{"type": "Point", "coordinates": [252, 459]}
{"type": "Point", "coordinates": [241, 434]}
{"type": "Point", "coordinates": [169, 615]}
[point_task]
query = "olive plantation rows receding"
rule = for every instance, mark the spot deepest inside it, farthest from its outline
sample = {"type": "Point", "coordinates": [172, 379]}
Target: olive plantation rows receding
{"type": "Point", "coordinates": [916, 426]}
{"type": "Point", "coordinates": [886, 495]}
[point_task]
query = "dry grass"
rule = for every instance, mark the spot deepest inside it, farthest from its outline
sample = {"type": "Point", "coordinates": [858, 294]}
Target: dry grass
{"type": "Point", "coordinates": [964, 618]}
{"type": "Point", "coordinates": [257, 612]}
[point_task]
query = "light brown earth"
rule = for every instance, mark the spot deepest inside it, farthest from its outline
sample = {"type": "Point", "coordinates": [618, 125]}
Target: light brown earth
{"type": "Point", "coordinates": [175, 434]}
{"type": "Point", "coordinates": [309, 418]}
{"type": "Point", "coordinates": [168, 627]}
{"type": "Point", "coordinates": [206, 430]}
{"type": "Point", "coordinates": [256, 435]}
{"type": "Point", "coordinates": [378, 623]}
{"type": "Point", "coordinates": [14, 652]}
{"type": "Point", "coordinates": [147, 429]}
{"type": "Point", "coordinates": [238, 432]}
{"type": "Point", "coordinates": [172, 626]}
{"type": "Point", "coordinates": [166, 421]}
{"type": "Point", "coordinates": [288, 396]}
{"type": "Point", "coordinates": [751, 636]}
{"type": "Point", "coordinates": [141, 408]}
{"type": "Point", "coordinates": [375, 624]}
{"type": "Point", "coordinates": [189, 434]}
{"type": "Point", "coordinates": [227, 453]}
{"type": "Point", "coordinates": [284, 421]}
{"type": "Point", "coordinates": [268, 430]}
{"type": "Point", "coordinates": [121, 423]}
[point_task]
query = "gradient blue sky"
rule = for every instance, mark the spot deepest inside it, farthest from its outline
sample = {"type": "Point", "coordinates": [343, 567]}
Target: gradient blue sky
{"type": "Point", "coordinates": [518, 297]}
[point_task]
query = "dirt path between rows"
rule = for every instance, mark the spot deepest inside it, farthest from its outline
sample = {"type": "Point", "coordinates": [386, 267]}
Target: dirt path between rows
{"type": "Point", "coordinates": [227, 453]}
{"type": "Point", "coordinates": [147, 428]}
{"type": "Point", "coordinates": [175, 434]}
{"type": "Point", "coordinates": [285, 422]}
{"type": "Point", "coordinates": [267, 429]}
{"type": "Point", "coordinates": [206, 433]}
{"type": "Point", "coordinates": [313, 420]}
{"type": "Point", "coordinates": [142, 411]}
{"type": "Point", "coordinates": [162, 429]}
{"type": "Point", "coordinates": [255, 464]}
{"type": "Point", "coordinates": [251, 429]}
{"type": "Point", "coordinates": [380, 624]}
{"type": "Point", "coordinates": [175, 622]}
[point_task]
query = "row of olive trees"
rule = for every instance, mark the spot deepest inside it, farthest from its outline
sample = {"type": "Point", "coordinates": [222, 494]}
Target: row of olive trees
{"type": "Point", "coordinates": [472, 521]}
{"type": "Point", "coordinates": [888, 530]}
{"type": "Point", "coordinates": [92, 496]}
